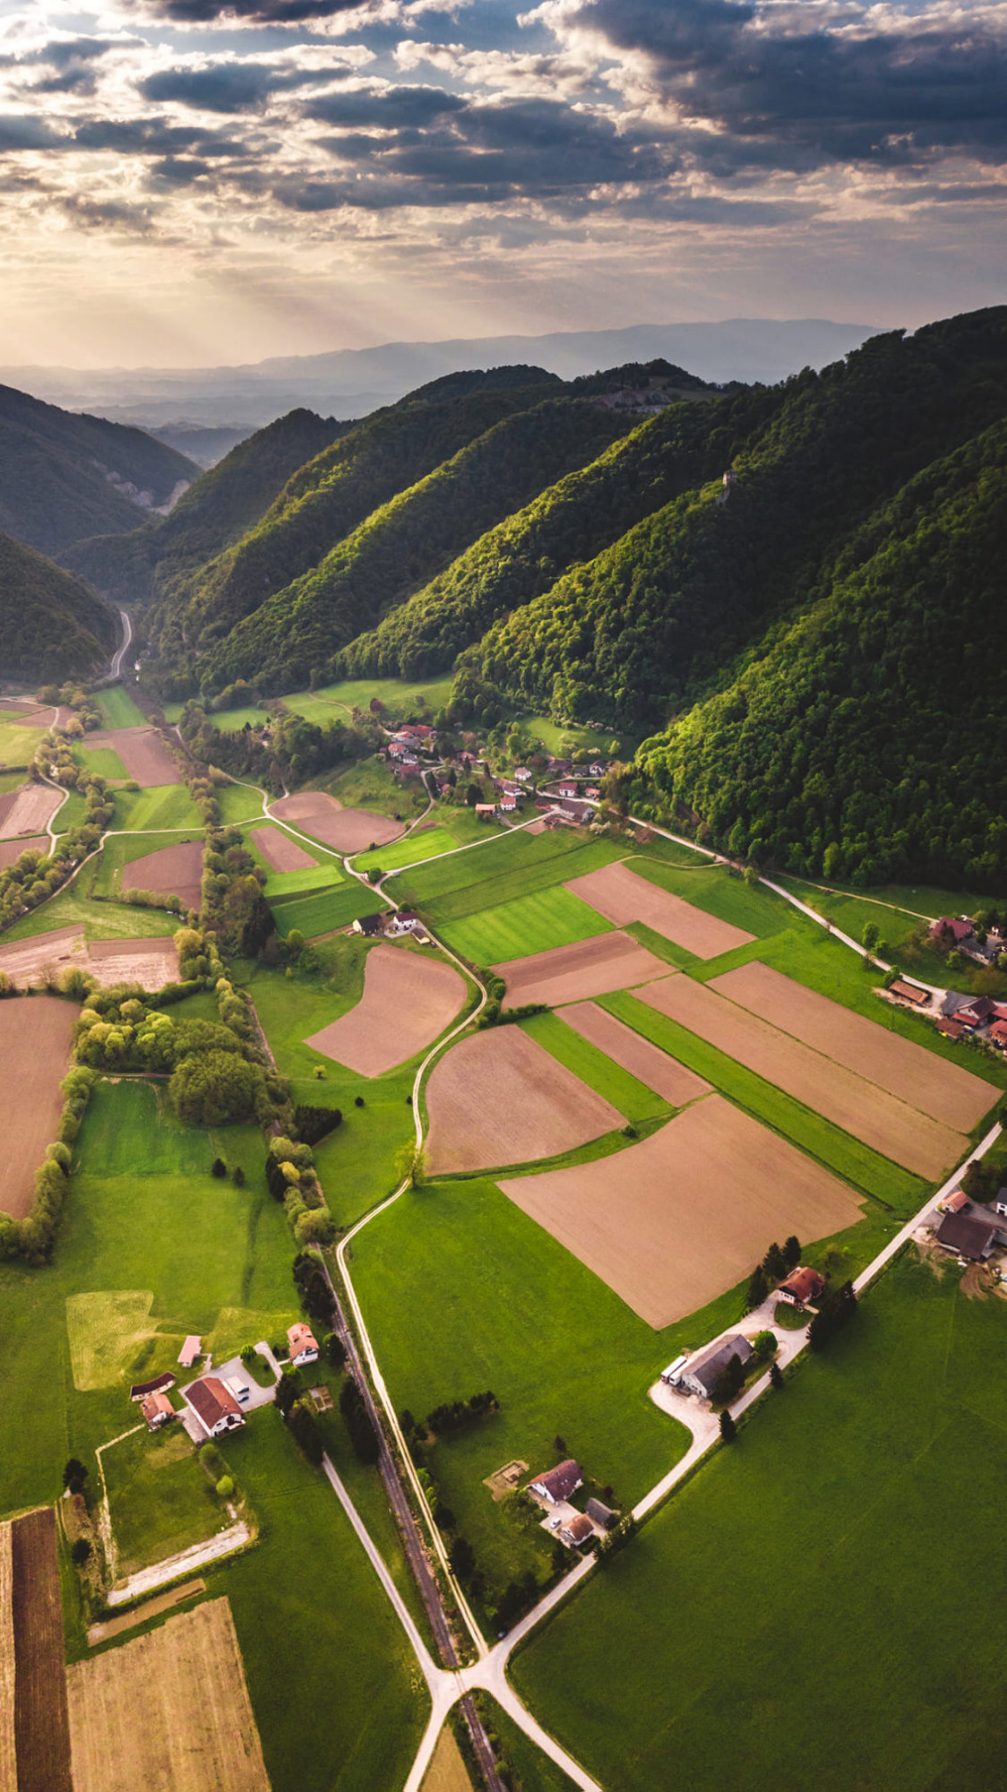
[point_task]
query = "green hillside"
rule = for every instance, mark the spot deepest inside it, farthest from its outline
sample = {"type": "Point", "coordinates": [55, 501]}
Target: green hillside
{"type": "Point", "coordinates": [52, 625]}
{"type": "Point", "coordinates": [64, 476]}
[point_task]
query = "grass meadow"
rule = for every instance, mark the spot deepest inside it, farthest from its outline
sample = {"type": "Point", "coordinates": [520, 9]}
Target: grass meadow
{"type": "Point", "coordinates": [118, 708]}
{"type": "Point", "coordinates": [161, 806]}
{"type": "Point", "coordinates": [525, 924]}
{"type": "Point", "coordinates": [17, 743]}
{"type": "Point", "coordinates": [160, 1498]}
{"type": "Point", "coordinates": [100, 920]}
{"type": "Point", "coordinates": [822, 1592]}
{"type": "Point", "coordinates": [320, 912]}
{"type": "Point", "coordinates": [452, 828]}
{"type": "Point", "coordinates": [104, 762]}
{"type": "Point", "coordinates": [369, 784]}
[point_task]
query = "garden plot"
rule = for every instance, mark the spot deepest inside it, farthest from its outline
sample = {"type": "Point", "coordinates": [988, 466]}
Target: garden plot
{"type": "Point", "coordinates": [176, 1703]}
{"type": "Point", "coordinates": [325, 819]}
{"type": "Point", "coordinates": [170, 871]}
{"type": "Point", "coordinates": [648, 1062]}
{"type": "Point", "coordinates": [573, 973]}
{"type": "Point", "coordinates": [498, 1098]}
{"type": "Point", "coordinates": [28, 810]}
{"type": "Point", "coordinates": [621, 896]}
{"type": "Point", "coordinates": [408, 1001]}
{"type": "Point", "coordinates": [941, 1089]}
{"type": "Point", "coordinates": [280, 852]}
{"type": "Point", "coordinates": [35, 1035]}
{"type": "Point", "coordinates": [34, 1732]}
{"type": "Point", "coordinates": [899, 1132]}
{"type": "Point", "coordinates": [10, 850]}
{"type": "Point", "coordinates": [682, 1217]}
{"type": "Point", "coordinates": [143, 753]}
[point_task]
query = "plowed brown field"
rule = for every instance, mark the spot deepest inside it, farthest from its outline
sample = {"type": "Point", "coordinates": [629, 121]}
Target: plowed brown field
{"type": "Point", "coordinates": [40, 1705]}
{"type": "Point", "coordinates": [12, 849]}
{"type": "Point", "coordinates": [32, 960]}
{"type": "Point", "coordinates": [280, 852]}
{"type": "Point", "coordinates": [151, 963]}
{"type": "Point", "coordinates": [908, 1137]}
{"type": "Point", "coordinates": [347, 830]}
{"type": "Point", "coordinates": [498, 1098]}
{"type": "Point", "coordinates": [654, 1067]}
{"type": "Point", "coordinates": [621, 896]}
{"type": "Point", "coordinates": [171, 870]}
{"type": "Point", "coordinates": [28, 810]}
{"type": "Point", "coordinates": [407, 1001]}
{"type": "Point", "coordinates": [678, 1219]}
{"type": "Point", "coordinates": [176, 1704]}
{"type": "Point", "coordinates": [8, 1743]}
{"type": "Point", "coordinates": [35, 1035]}
{"type": "Point", "coordinates": [573, 973]}
{"type": "Point", "coordinates": [945, 1091]}
{"type": "Point", "coordinates": [143, 754]}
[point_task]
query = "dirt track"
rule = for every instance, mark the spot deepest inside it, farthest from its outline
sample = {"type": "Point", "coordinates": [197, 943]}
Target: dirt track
{"type": "Point", "coordinates": [899, 1132]}
{"type": "Point", "coordinates": [143, 753]}
{"type": "Point", "coordinates": [407, 1001]}
{"type": "Point", "coordinates": [170, 871]}
{"type": "Point", "coordinates": [176, 1703]}
{"type": "Point", "coordinates": [573, 973]}
{"type": "Point", "coordinates": [654, 1067]}
{"type": "Point", "coordinates": [622, 896]}
{"type": "Point", "coordinates": [280, 852]}
{"type": "Point", "coordinates": [28, 810]}
{"type": "Point", "coordinates": [498, 1098]}
{"type": "Point", "coordinates": [945, 1091]}
{"type": "Point", "coordinates": [11, 850]}
{"type": "Point", "coordinates": [347, 830]}
{"type": "Point", "coordinates": [678, 1219]}
{"type": "Point", "coordinates": [35, 1034]}
{"type": "Point", "coordinates": [40, 1704]}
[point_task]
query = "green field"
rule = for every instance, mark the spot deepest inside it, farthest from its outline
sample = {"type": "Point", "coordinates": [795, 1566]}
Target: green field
{"type": "Point", "coordinates": [160, 1497]}
{"type": "Point", "coordinates": [103, 761]}
{"type": "Point", "coordinates": [804, 1611]}
{"type": "Point", "coordinates": [453, 827]}
{"type": "Point", "coordinates": [324, 874]}
{"type": "Point", "coordinates": [144, 1214]}
{"type": "Point", "coordinates": [17, 743]}
{"type": "Point", "coordinates": [118, 708]}
{"type": "Point", "coordinates": [526, 924]}
{"type": "Point", "coordinates": [238, 804]}
{"type": "Point", "coordinates": [511, 866]}
{"type": "Point", "coordinates": [319, 914]}
{"type": "Point", "coordinates": [162, 806]}
{"type": "Point", "coordinates": [852, 911]}
{"type": "Point", "coordinates": [100, 920]}
{"type": "Point", "coordinates": [369, 784]}
{"type": "Point", "coordinates": [564, 738]}
{"type": "Point", "coordinates": [104, 874]}
{"type": "Point", "coordinates": [399, 696]}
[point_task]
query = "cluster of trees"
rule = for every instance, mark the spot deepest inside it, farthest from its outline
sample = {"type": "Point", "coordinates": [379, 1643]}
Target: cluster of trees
{"type": "Point", "coordinates": [289, 750]}
{"type": "Point", "coordinates": [32, 1236]}
{"type": "Point", "coordinates": [458, 1415]}
{"type": "Point", "coordinates": [293, 1179]}
{"type": "Point", "coordinates": [358, 1421]}
{"type": "Point", "coordinates": [232, 901]}
{"type": "Point", "coordinates": [34, 875]}
{"type": "Point", "coordinates": [51, 623]}
{"type": "Point", "coordinates": [776, 1265]}
{"type": "Point", "coordinates": [313, 1124]}
{"type": "Point", "coordinates": [836, 1308]}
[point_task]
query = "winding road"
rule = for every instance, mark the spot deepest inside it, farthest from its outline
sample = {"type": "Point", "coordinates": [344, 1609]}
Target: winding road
{"type": "Point", "coordinates": [115, 669]}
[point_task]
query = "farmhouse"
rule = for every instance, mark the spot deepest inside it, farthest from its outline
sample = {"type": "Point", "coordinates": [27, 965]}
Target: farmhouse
{"type": "Point", "coordinates": [576, 1531]}
{"type": "Point", "coordinates": [997, 1035]}
{"type": "Point", "coordinates": [1000, 1204]}
{"type": "Point", "coordinates": [968, 1235]}
{"type": "Point", "coordinates": [214, 1406]}
{"type": "Point", "coordinates": [301, 1344]}
{"type": "Point", "coordinates": [952, 1029]}
{"type": "Point", "coordinates": [908, 992]}
{"type": "Point", "coordinates": [507, 805]}
{"type": "Point", "coordinates": [801, 1286]}
{"type": "Point", "coordinates": [405, 920]}
{"type": "Point", "coordinates": [951, 929]}
{"type": "Point", "coordinates": [557, 1484]}
{"type": "Point", "coordinates": [370, 926]}
{"type": "Point", "coordinates": [701, 1377]}
{"type": "Point", "coordinates": [976, 1013]}
{"type": "Point", "coordinates": [157, 1410]}
{"type": "Point", "coordinates": [522, 774]}
{"type": "Point", "coordinates": [191, 1351]}
{"type": "Point", "coordinates": [956, 1203]}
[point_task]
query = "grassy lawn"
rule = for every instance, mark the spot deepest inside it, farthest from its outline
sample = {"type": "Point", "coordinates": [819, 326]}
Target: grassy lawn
{"type": "Point", "coordinates": [118, 708]}
{"type": "Point", "coordinates": [563, 738]}
{"type": "Point", "coordinates": [502, 868]}
{"type": "Point", "coordinates": [162, 806]}
{"type": "Point", "coordinates": [100, 920]}
{"type": "Point", "coordinates": [71, 815]}
{"type": "Point", "coordinates": [632, 1098]}
{"type": "Point", "coordinates": [104, 874]}
{"type": "Point", "coordinates": [852, 911]}
{"type": "Point", "coordinates": [399, 696]}
{"type": "Point", "coordinates": [160, 1498]}
{"type": "Point", "coordinates": [452, 828]}
{"type": "Point", "coordinates": [17, 743]}
{"type": "Point", "coordinates": [320, 913]}
{"type": "Point", "coordinates": [368, 784]}
{"type": "Point", "coordinates": [810, 1579]}
{"type": "Point", "coordinates": [104, 761]}
{"type": "Point", "coordinates": [238, 804]}
{"type": "Point", "coordinates": [526, 924]}
{"type": "Point", "coordinates": [494, 1302]}
{"type": "Point", "coordinates": [900, 1191]}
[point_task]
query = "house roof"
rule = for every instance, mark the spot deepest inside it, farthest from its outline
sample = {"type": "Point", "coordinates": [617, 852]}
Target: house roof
{"type": "Point", "coordinates": [967, 1234]}
{"type": "Point", "coordinates": [804, 1284]}
{"type": "Point", "coordinates": [155, 1386]}
{"type": "Point", "coordinates": [300, 1337]}
{"type": "Point", "coordinates": [957, 1202]}
{"type": "Point", "coordinates": [909, 992]}
{"type": "Point", "coordinates": [211, 1401]}
{"type": "Point", "coordinates": [371, 923]}
{"type": "Point", "coordinates": [977, 1010]}
{"type": "Point", "coordinates": [562, 1480]}
{"type": "Point", "coordinates": [998, 1032]}
{"type": "Point", "coordinates": [708, 1369]}
{"type": "Point", "coordinates": [152, 1405]}
{"type": "Point", "coordinates": [578, 1528]}
{"type": "Point", "coordinates": [951, 1029]}
{"type": "Point", "coordinates": [191, 1350]}
{"type": "Point", "coordinates": [953, 924]}
{"type": "Point", "coordinates": [597, 1510]}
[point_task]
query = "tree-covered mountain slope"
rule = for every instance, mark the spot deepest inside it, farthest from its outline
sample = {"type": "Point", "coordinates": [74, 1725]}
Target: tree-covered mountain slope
{"type": "Point", "coordinates": [52, 625]}
{"type": "Point", "coordinates": [649, 624]}
{"type": "Point", "coordinates": [868, 740]}
{"type": "Point", "coordinates": [219, 507]}
{"type": "Point", "coordinates": [63, 476]}
{"type": "Point", "coordinates": [420, 530]}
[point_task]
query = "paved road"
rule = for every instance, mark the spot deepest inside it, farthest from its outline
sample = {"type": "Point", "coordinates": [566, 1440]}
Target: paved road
{"type": "Point", "coordinates": [119, 655]}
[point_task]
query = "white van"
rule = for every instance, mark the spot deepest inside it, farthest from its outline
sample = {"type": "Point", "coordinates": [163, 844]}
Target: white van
{"type": "Point", "coordinates": [672, 1374]}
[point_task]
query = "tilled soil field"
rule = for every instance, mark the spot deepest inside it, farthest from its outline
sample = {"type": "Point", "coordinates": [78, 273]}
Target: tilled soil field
{"type": "Point", "coordinates": [35, 1035]}
{"type": "Point", "coordinates": [280, 852]}
{"type": "Point", "coordinates": [176, 1703]}
{"type": "Point", "coordinates": [10, 850]}
{"type": "Point", "coordinates": [143, 754]}
{"type": "Point", "coordinates": [621, 896]}
{"type": "Point", "coordinates": [170, 871]}
{"type": "Point", "coordinates": [591, 967]}
{"type": "Point", "coordinates": [8, 1742]}
{"type": "Point", "coordinates": [151, 962]}
{"type": "Point", "coordinates": [674, 1081]}
{"type": "Point", "coordinates": [943, 1090]}
{"type": "Point", "coordinates": [899, 1132]}
{"type": "Point", "coordinates": [28, 810]}
{"type": "Point", "coordinates": [40, 1704]}
{"type": "Point", "coordinates": [680, 1218]}
{"type": "Point", "coordinates": [498, 1098]}
{"type": "Point", "coordinates": [30, 961]}
{"type": "Point", "coordinates": [407, 1001]}
{"type": "Point", "coordinates": [325, 819]}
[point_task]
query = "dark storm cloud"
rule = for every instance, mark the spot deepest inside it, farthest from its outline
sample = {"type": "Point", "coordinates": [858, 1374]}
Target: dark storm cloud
{"type": "Point", "coordinates": [254, 12]}
{"type": "Point", "coordinates": [222, 87]}
{"type": "Point", "coordinates": [19, 131]}
{"type": "Point", "coordinates": [860, 96]}
{"type": "Point", "coordinates": [153, 136]}
{"type": "Point", "coordinates": [389, 107]}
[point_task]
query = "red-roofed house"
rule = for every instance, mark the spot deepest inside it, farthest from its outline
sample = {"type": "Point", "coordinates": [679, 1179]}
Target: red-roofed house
{"type": "Point", "coordinates": [998, 1035]}
{"type": "Point", "coordinates": [557, 1484]}
{"type": "Point", "coordinates": [302, 1344]}
{"type": "Point", "coordinates": [951, 928]}
{"type": "Point", "coordinates": [214, 1406]}
{"type": "Point", "coordinates": [157, 1410]}
{"type": "Point", "coordinates": [955, 1203]}
{"type": "Point", "coordinates": [576, 1531]}
{"type": "Point", "coordinates": [801, 1286]}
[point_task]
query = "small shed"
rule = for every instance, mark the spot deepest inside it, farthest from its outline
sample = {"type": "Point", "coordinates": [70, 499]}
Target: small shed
{"type": "Point", "coordinates": [191, 1351]}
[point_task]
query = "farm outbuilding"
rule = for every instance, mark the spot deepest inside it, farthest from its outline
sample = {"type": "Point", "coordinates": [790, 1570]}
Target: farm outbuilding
{"type": "Point", "coordinates": [701, 1377]}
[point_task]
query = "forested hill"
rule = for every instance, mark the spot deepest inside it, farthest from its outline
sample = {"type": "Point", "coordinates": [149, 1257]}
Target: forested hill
{"type": "Point", "coordinates": [64, 476]}
{"type": "Point", "coordinates": [218, 508]}
{"type": "Point", "coordinates": [52, 626]}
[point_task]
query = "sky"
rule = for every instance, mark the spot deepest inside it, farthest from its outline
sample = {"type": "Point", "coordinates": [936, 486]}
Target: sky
{"type": "Point", "coordinates": [196, 182]}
